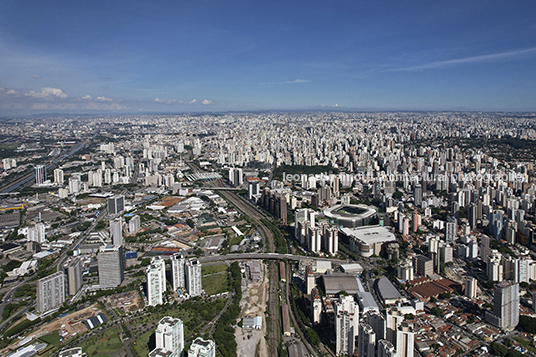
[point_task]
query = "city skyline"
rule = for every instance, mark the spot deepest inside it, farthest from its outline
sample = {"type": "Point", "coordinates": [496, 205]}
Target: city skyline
{"type": "Point", "coordinates": [208, 56]}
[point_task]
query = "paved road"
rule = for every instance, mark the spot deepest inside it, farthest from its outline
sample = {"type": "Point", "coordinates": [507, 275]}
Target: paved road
{"type": "Point", "coordinates": [262, 256]}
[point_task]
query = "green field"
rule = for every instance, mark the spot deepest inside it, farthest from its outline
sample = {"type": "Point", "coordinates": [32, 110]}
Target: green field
{"type": "Point", "coordinates": [103, 344]}
{"type": "Point", "coordinates": [215, 279]}
{"type": "Point", "coordinates": [52, 339]}
{"type": "Point", "coordinates": [141, 345]}
{"type": "Point", "coordinates": [211, 269]}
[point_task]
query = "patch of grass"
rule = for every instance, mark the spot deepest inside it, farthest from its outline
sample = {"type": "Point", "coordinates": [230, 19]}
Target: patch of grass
{"type": "Point", "coordinates": [211, 269]}
{"type": "Point", "coordinates": [141, 345]}
{"type": "Point", "coordinates": [216, 284]}
{"type": "Point", "coordinates": [51, 338]}
{"type": "Point", "coordinates": [103, 344]}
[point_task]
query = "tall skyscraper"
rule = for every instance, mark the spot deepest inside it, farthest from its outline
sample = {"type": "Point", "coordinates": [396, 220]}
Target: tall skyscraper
{"type": "Point", "coordinates": [116, 231]}
{"type": "Point", "coordinates": [405, 340]}
{"type": "Point", "coordinates": [377, 322]}
{"type": "Point", "coordinates": [73, 271]}
{"type": "Point", "coordinates": [116, 205]}
{"type": "Point", "coordinates": [484, 247]}
{"type": "Point", "coordinates": [193, 277]}
{"type": "Point", "coordinates": [111, 266]}
{"type": "Point", "coordinates": [346, 325]}
{"type": "Point", "coordinates": [40, 174]}
{"type": "Point", "coordinates": [366, 345]}
{"type": "Point", "coordinates": [177, 272]}
{"type": "Point", "coordinates": [156, 281]}
{"type": "Point", "coordinates": [50, 292]}
{"type": "Point", "coordinates": [134, 225]}
{"type": "Point", "coordinates": [417, 195]}
{"type": "Point", "coordinates": [393, 319]}
{"type": "Point", "coordinates": [169, 336]}
{"type": "Point", "coordinates": [505, 306]}
{"type": "Point", "coordinates": [202, 348]}
{"type": "Point", "coordinates": [451, 229]}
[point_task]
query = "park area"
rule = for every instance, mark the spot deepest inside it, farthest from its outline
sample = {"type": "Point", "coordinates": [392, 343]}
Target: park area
{"type": "Point", "coordinates": [195, 314]}
{"type": "Point", "coordinates": [215, 279]}
{"type": "Point", "coordinates": [103, 344]}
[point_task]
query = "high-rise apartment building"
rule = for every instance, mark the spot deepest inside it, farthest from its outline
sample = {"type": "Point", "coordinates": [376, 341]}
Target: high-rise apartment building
{"type": "Point", "coordinates": [156, 281]}
{"type": "Point", "coordinates": [405, 340]}
{"type": "Point", "coordinates": [471, 285]}
{"type": "Point", "coordinates": [177, 272]}
{"type": "Point", "coordinates": [393, 319]}
{"type": "Point", "coordinates": [58, 176]}
{"type": "Point", "coordinates": [417, 194]}
{"type": "Point", "coordinates": [73, 272]}
{"type": "Point", "coordinates": [193, 277]}
{"type": "Point", "coordinates": [36, 233]}
{"type": "Point", "coordinates": [169, 337]}
{"type": "Point", "coordinates": [505, 306]}
{"type": "Point", "coordinates": [366, 346]}
{"type": "Point", "coordinates": [451, 229]}
{"type": "Point", "coordinates": [50, 292]}
{"type": "Point", "coordinates": [346, 325]}
{"type": "Point", "coordinates": [111, 266]}
{"type": "Point", "coordinates": [116, 231]}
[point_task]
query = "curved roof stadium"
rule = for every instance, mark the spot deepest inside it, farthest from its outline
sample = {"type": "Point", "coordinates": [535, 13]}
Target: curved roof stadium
{"type": "Point", "coordinates": [350, 215]}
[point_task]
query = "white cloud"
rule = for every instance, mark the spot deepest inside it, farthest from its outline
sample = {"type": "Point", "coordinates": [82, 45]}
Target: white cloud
{"type": "Point", "coordinates": [12, 92]}
{"type": "Point", "coordinates": [207, 102]}
{"type": "Point", "coordinates": [193, 101]}
{"type": "Point", "coordinates": [86, 97]}
{"type": "Point", "coordinates": [77, 106]}
{"type": "Point", "coordinates": [47, 93]}
{"type": "Point", "coordinates": [103, 99]}
{"type": "Point", "coordinates": [162, 101]}
{"type": "Point", "coordinates": [298, 81]}
{"type": "Point", "coordinates": [36, 76]}
{"type": "Point", "coordinates": [501, 56]}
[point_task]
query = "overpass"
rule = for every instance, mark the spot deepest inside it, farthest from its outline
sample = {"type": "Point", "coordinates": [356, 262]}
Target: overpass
{"type": "Point", "coordinates": [262, 256]}
{"type": "Point", "coordinates": [215, 188]}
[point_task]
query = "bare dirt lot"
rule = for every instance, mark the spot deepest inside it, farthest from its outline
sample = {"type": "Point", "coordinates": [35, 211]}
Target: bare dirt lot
{"type": "Point", "coordinates": [125, 302]}
{"type": "Point", "coordinates": [253, 303]}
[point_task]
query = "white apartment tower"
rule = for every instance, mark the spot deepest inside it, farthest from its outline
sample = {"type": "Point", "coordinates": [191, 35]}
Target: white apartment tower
{"type": "Point", "coordinates": [177, 272]}
{"type": "Point", "coordinates": [50, 292]}
{"type": "Point", "coordinates": [58, 176]}
{"type": "Point", "coordinates": [346, 325]}
{"type": "Point", "coordinates": [116, 231]}
{"type": "Point", "coordinates": [40, 174]}
{"type": "Point", "coordinates": [156, 281]}
{"type": "Point", "coordinates": [405, 340]}
{"type": "Point", "coordinates": [193, 277]}
{"type": "Point", "coordinates": [471, 287]}
{"type": "Point", "coordinates": [169, 336]}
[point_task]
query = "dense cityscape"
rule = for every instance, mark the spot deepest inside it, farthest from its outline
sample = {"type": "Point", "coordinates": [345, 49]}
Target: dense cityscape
{"type": "Point", "coordinates": [271, 233]}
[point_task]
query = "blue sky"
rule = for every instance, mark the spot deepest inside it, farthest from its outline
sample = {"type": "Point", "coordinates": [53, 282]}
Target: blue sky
{"type": "Point", "coordinates": [204, 55]}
